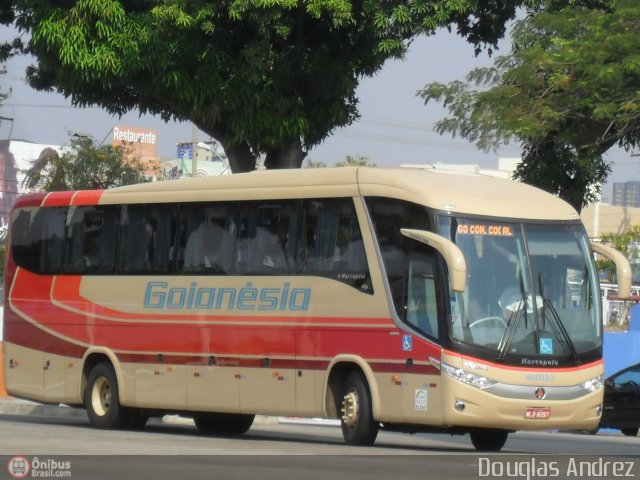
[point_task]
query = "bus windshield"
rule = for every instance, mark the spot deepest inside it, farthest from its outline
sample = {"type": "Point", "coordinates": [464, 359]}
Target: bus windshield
{"type": "Point", "coordinates": [531, 296]}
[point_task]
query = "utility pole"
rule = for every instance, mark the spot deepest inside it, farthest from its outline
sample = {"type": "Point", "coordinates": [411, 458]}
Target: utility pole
{"type": "Point", "coordinates": [194, 150]}
{"type": "Point", "coordinates": [4, 96]}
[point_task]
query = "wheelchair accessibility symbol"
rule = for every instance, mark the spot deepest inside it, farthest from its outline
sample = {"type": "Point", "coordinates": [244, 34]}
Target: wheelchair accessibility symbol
{"type": "Point", "coordinates": [546, 346]}
{"type": "Point", "coordinates": [407, 345]}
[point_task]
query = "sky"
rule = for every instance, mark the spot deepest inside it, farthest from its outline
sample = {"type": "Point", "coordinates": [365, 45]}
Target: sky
{"type": "Point", "coordinates": [395, 126]}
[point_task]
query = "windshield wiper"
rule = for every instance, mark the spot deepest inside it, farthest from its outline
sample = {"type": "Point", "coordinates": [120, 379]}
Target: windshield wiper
{"type": "Point", "coordinates": [564, 335]}
{"type": "Point", "coordinates": [513, 322]}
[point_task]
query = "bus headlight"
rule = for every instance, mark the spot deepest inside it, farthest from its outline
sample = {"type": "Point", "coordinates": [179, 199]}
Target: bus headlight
{"type": "Point", "coordinates": [594, 384]}
{"type": "Point", "coordinates": [460, 375]}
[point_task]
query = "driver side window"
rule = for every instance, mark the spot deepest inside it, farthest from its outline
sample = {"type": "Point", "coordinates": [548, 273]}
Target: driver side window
{"type": "Point", "coordinates": [422, 308]}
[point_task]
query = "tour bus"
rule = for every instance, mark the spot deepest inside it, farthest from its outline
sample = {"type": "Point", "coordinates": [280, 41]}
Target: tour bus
{"type": "Point", "coordinates": [413, 300]}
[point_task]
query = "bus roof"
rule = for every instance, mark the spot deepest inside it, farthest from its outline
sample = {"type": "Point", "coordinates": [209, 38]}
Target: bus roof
{"type": "Point", "coordinates": [455, 191]}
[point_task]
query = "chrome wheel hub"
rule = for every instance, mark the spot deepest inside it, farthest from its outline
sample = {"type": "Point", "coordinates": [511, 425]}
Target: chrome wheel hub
{"type": "Point", "coordinates": [350, 409]}
{"type": "Point", "coordinates": [101, 396]}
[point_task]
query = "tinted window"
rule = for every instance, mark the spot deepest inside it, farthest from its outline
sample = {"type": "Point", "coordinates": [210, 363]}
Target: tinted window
{"type": "Point", "coordinates": [147, 238]}
{"type": "Point", "coordinates": [37, 238]}
{"type": "Point", "coordinates": [629, 380]}
{"type": "Point", "coordinates": [422, 308]}
{"type": "Point", "coordinates": [388, 217]}
{"type": "Point", "coordinates": [333, 243]}
{"type": "Point", "coordinates": [207, 237]}
{"type": "Point", "coordinates": [92, 234]}
{"type": "Point", "coordinates": [268, 235]}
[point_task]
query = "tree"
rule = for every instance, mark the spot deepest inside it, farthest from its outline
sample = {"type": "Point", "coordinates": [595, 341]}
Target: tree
{"type": "Point", "coordinates": [349, 161]}
{"type": "Point", "coordinates": [271, 77]}
{"type": "Point", "coordinates": [357, 161]}
{"type": "Point", "coordinates": [84, 167]}
{"type": "Point", "coordinates": [568, 92]}
{"type": "Point", "coordinates": [309, 163]}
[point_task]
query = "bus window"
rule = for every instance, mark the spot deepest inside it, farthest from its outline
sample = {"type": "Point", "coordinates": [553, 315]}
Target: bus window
{"type": "Point", "coordinates": [422, 307]}
{"type": "Point", "coordinates": [267, 238]}
{"type": "Point", "coordinates": [388, 217]}
{"type": "Point", "coordinates": [207, 238]}
{"type": "Point", "coordinates": [38, 238]}
{"type": "Point", "coordinates": [332, 243]}
{"type": "Point", "coordinates": [147, 238]}
{"type": "Point", "coordinates": [92, 233]}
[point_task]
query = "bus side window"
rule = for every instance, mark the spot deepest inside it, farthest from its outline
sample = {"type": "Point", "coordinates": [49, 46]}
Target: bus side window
{"type": "Point", "coordinates": [267, 237]}
{"type": "Point", "coordinates": [332, 243]}
{"type": "Point", "coordinates": [91, 239]}
{"type": "Point", "coordinates": [422, 308]}
{"type": "Point", "coordinates": [147, 238]}
{"type": "Point", "coordinates": [38, 238]}
{"type": "Point", "coordinates": [207, 238]}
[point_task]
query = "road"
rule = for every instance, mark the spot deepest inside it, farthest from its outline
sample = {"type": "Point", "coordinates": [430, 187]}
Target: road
{"type": "Point", "coordinates": [279, 451]}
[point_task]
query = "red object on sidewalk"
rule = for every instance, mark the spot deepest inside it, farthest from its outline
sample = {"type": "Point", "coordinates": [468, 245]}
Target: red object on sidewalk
{"type": "Point", "coordinates": [3, 392]}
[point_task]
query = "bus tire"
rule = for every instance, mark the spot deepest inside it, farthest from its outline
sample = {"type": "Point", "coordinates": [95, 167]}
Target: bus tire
{"type": "Point", "coordinates": [223, 423]}
{"type": "Point", "coordinates": [137, 420]}
{"type": "Point", "coordinates": [102, 399]}
{"type": "Point", "coordinates": [356, 412]}
{"type": "Point", "coordinates": [488, 439]}
{"type": "Point", "coordinates": [630, 432]}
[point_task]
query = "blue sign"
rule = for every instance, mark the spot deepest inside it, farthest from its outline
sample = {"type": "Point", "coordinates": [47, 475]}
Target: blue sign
{"type": "Point", "coordinates": [185, 151]}
{"type": "Point", "coordinates": [546, 346]}
{"type": "Point", "coordinates": [407, 343]}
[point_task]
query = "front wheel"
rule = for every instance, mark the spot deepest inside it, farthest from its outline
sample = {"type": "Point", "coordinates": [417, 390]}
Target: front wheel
{"type": "Point", "coordinates": [102, 399]}
{"type": "Point", "coordinates": [488, 439]}
{"type": "Point", "coordinates": [630, 432]}
{"type": "Point", "coordinates": [357, 422]}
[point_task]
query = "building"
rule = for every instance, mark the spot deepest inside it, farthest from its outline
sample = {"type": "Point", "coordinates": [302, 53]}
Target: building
{"type": "Point", "coordinates": [626, 194]}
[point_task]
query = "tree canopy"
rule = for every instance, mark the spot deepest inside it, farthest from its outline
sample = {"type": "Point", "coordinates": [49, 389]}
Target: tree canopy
{"type": "Point", "coordinates": [271, 77]}
{"type": "Point", "coordinates": [84, 166]}
{"type": "Point", "coordinates": [568, 92]}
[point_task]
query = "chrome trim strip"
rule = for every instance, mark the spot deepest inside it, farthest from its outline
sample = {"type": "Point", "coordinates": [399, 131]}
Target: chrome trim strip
{"type": "Point", "coordinates": [527, 392]}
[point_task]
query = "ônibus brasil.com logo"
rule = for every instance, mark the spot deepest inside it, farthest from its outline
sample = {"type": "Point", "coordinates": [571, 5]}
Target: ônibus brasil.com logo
{"type": "Point", "coordinates": [21, 467]}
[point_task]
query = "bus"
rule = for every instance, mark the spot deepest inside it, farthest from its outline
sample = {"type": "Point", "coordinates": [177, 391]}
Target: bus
{"type": "Point", "coordinates": [413, 300]}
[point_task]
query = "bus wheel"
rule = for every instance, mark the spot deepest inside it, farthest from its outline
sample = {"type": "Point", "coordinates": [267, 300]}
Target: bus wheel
{"type": "Point", "coordinates": [223, 423]}
{"type": "Point", "coordinates": [358, 425]}
{"type": "Point", "coordinates": [630, 432]}
{"type": "Point", "coordinates": [102, 401]}
{"type": "Point", "coordinates": [137, 420]}
{"type": "Point", "coordinates": [488, 439]}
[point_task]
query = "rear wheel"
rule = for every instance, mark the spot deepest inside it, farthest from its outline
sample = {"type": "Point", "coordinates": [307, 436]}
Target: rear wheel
{"type": "Point", "coordinates": [630, 432]}
{"type": "Point", "coordinates": [223, 423]}
{"type": "Point", "coordinates": [357, 422]}
{"type": "Point", "coordinates": [488, 439]}
{"type": "Point", "coordinates": [102, 399]}
{"type": "Point", "coordinates": [137, 420]}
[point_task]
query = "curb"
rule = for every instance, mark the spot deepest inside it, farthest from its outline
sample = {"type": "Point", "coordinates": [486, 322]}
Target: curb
{"type": "Point", "coordinates": [14, 406]}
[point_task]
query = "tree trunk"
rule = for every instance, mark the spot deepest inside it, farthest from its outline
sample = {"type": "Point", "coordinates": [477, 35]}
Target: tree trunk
{"type": "Point", "coordinates": [241, 158]}
{"type": "Point", "coordinates": [290, 156]}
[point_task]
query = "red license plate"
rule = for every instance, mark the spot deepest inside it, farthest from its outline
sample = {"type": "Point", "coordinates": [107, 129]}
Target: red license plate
{"type": "Point", "coordinates": [537, 413]}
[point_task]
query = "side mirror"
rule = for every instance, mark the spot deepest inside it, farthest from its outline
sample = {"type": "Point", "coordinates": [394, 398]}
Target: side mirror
{"type": "Point", "coordinates": [449, 250]}
{"type": "Point", "coordinates": [623, 268]}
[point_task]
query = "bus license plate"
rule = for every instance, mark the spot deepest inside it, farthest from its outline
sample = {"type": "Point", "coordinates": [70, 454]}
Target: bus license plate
{"type": "Point", "coordinates": [537, 413]}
